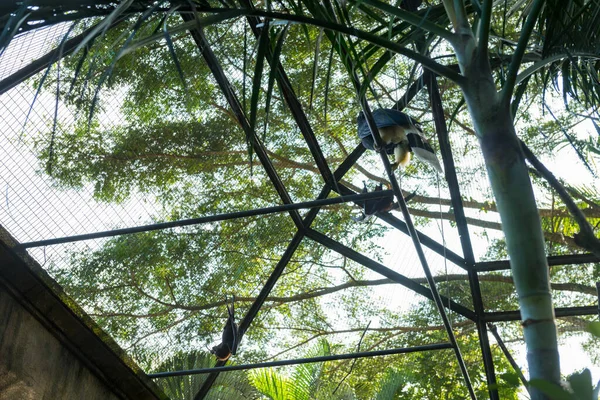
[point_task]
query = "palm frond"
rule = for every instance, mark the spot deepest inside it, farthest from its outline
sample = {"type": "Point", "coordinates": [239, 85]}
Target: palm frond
{"type": "Point", "coordinates": [172, 49]}
{"type": "Point", "coordinates": [306, 377]}
{"type": "Point", "coordinates": [391, 385]}
{"type": "Point", "coordinates": [270, 383]}
{"type": "Point", "coordinates": [11, 24]}
{"type": "Point", "coordinates": [279, 40]}
{"type": "Point", "coordinates": [233, 385]}
{"type": "Point", "coordinates": [568, 36]}
{"type": "Point", "coordinates": [108, 72]}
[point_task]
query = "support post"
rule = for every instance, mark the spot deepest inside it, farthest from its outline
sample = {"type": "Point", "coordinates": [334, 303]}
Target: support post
{"type": "Point", "coordinates": [413, 234]}
{"type": "Point", "coordinates": [463, 230]}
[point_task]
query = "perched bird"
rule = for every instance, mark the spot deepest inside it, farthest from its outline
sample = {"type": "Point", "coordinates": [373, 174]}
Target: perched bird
{"type": "Point", "coordinates": [230, 339]}
{"type": "Point", "coordinates": [411, 5]}
{"type": "Point", "coordinates": [373, 206]}
{"type": "Point", "coordinates": [401, 135]}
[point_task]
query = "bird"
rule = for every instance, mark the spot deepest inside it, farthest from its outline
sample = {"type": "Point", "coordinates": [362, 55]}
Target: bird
{"type": "Point", "coordinates": [231, 335]}
{"type": "Point", "coordinates": [411, 5]}
{"type": "Point", "coordinates": [402, 136]}
{"type": "Point", "coordinates": [373, 206]}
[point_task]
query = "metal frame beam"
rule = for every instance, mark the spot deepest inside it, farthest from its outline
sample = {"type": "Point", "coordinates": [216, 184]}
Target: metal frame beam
{"type": "Point", "coordinates": [278, 270]}
{"type": "Point", "coordinates": [413, 233]}
{"type": "Point", "coordinates": [331, 180]}
{"type": "Point", "coordinates": [387, 272]}
{"type": "Point", "coordinates": [209, 218]}
{"type": "Point", "coordinates": [503, 265]}
{"type": "Point", "coordinates": [463, 229]}
{"type": "Point", "coordinates": [402, 227]}
{"type": "Point", "coordinates": [349, 356]}
{"type": "Point", "coordinates": [213, 63]}
{"type": "Point", "coordinates": [492, 328]}
{"type": "Point", "coordinates": [219, 75]}
{"type": "Point", "coordinates": [515, 315]}
{"type": "Point", "coordinates": [47, 59]}
{"type": "Point", "coordinates": [293, 104]}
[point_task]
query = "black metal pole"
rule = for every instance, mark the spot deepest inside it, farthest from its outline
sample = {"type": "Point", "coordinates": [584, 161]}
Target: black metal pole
{"type": "Point", "coordinates": [428, 347]}
{"type": "Point", "coordinates": [222, 80]}
{"type": "Point", "coordinates": [293, 103]}
{"type": "Point", "coordinates": [509, 357]}
{"type": "Point", "coordinates": [418, 248]}
{"type": "Point", "coordinates": [413, 234]}
{"type": "Point", "coordinates": [502, 265]}
{"type": "Point", "coordinates": [387, 272]}
{"type": "Point", "coordinates": [424, 239]}
{"type": "Point", "coordinates": [463, 229]}
{"type": "Point", "coordinates": [278, 270]}
{"type": "Point", "coordinates": [515, 315]}
{"type": "Point", "coordinates": [209, 218]}
{"type": "Point", "coordinates": [598, 291]}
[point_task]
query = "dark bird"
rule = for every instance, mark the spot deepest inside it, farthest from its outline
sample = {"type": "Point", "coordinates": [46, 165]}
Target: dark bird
{"type": "Point", "coordinates": [411, 5]}
{"type": "Point", "coordinates": [373, 206]}
{"type": "Point", "coordinates": [401, 134]}
{"type": "Point", "coordinates": [230, 339]}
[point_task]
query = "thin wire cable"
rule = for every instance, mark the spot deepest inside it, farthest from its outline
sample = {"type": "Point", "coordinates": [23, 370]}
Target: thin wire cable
{"type": "Point", "coordinates": [437, 175]}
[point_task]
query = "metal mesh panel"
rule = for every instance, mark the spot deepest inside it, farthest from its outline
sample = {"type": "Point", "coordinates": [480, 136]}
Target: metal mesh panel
{"type": "Point", "coordinates": [30, 46]}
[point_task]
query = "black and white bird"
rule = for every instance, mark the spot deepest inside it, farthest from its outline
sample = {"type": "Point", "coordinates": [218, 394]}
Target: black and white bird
{"type": "Point", "coordinates": [402, 136]}
{"type": "Point", "coordinates": [231, 335]}
{"type": "Point", "coordinates": [373, 206]}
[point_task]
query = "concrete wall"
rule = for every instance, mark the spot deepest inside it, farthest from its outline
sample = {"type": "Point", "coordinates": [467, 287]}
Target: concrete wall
{"type": "Point", "coordinates": [34, 364]}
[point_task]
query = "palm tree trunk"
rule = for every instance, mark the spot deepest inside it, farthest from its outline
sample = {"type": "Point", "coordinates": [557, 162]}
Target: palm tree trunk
{"type": "Point", "coordinates": [509, 178]}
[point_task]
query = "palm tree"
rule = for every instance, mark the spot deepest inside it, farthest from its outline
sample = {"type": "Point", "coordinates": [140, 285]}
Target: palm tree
{"type": "Point", "coordinates": [233, 385]}
{"type": "Point", "coordinates": [533, 40]}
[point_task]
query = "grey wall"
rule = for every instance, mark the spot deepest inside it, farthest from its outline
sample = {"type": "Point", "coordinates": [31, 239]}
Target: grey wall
{"type": "Point", "coordinates": [35, 365]}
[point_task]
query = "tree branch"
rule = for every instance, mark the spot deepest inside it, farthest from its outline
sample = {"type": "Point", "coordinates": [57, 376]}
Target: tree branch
{"type": "Point", "coordinates": [586, 237]}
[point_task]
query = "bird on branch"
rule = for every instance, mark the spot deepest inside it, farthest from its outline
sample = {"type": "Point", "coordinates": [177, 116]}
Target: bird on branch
{"type": "Point", "coordinates": [373, 206]}
{"type": "Point", "coordinates": [401, 134]}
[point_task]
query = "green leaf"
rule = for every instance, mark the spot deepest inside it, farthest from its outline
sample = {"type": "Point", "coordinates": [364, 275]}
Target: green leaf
{"type": "Point", "coordinates": [106, 23]}
{"type": "Point", "coordinates": [41, 84]}
{"type": "Point", "coordinates": [512, 378]}
{"type": "Point", "coordinates": [553, 390]}
{"type": "Point", "coordinates": [107, 73]}
{"type": "Point", "coordinates": [172, 50]}
{"type": "Point", "coordinates": [581, 383]}
{"type": "Point", "coordinates": [391, 385]}
{"type": "Point", "coordinates": [594, 328]}
{"type": "Point", "coordinates": [273, 73]}
{"type": "Point", "coordinates": [315, 69]}
{"type": "Point", "coordinates": [270, 383]}
{"type": "Point", "coordinates": [263, 41]}
{"type": "Point", "coordinates": [12, 26]}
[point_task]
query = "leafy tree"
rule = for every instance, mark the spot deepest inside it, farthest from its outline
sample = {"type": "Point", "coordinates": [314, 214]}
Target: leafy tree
{"type": "Point", "coordinates": [181, 145]}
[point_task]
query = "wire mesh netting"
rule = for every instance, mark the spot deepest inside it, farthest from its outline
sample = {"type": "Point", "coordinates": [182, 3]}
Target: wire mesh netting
{"type": "Point", "coordinates": [30, 46]}
{"type": "Point", "coordinates": [152, 137]}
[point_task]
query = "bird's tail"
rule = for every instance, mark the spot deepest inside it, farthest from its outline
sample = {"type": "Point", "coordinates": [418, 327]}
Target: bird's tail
{"type": "Point", "coordinates": [401, 155]}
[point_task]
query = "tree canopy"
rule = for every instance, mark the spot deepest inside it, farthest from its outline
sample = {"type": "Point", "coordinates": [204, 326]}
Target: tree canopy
{"type": "Point", "coordinates": [147, 117]}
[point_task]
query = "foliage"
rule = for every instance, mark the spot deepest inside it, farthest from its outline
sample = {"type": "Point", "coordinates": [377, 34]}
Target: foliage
{"type": "Point", "coordinates": [302, 384]}
{"type": "Point", "coordinates": [232, 385]}
{"type": "Point", "coordinates": [148, 116]}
